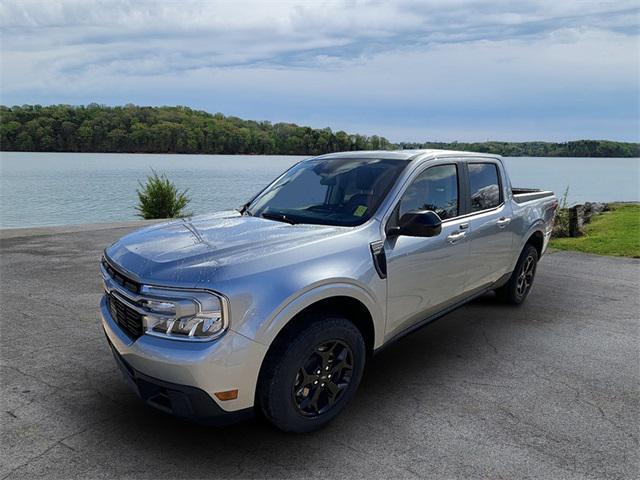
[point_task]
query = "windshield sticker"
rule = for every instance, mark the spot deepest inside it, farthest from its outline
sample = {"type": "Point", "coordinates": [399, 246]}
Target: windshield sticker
{"type": "Point", "coordinates": [360, 211]}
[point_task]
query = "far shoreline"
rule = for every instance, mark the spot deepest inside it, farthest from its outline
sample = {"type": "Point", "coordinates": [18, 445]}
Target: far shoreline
{"type": "Point", "coordinates": [96, 128]}
{"type": "Point", "coordinates": [306, 155]}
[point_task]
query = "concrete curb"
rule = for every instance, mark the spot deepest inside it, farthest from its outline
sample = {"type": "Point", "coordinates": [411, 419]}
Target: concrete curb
{"type": "Point", "coordinates": [7, 233]}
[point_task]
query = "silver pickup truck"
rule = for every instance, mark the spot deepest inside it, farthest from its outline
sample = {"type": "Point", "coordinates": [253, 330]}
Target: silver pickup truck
{"type": "Point", "coordinates": [276, 307]}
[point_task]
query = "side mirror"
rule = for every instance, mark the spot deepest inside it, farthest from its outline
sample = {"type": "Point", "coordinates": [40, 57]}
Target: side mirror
{"type": "Point", "coordinates": [420, 223]}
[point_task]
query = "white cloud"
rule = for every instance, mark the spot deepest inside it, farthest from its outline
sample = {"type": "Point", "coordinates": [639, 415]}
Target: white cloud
{"type": "Point", "coordinates": [513, 61]}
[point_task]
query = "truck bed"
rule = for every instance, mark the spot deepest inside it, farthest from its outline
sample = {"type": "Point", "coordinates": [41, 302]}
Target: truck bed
{"type": "Point", "coordinates": [523, 195]}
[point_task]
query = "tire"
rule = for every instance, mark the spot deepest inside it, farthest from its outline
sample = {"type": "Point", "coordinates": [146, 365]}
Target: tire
{"type": "Point", "coordinates": [515, 291]}
{"type": "Point", "coordinates": [311, 373]}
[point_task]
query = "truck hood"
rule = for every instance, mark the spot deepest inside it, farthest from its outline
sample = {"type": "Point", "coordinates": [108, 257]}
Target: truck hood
{"type": "Point", "coordinates": [178, 252]}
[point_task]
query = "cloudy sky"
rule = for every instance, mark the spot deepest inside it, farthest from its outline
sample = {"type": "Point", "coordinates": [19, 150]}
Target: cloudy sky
{"type": "Point", "coordinates": [407, 69]}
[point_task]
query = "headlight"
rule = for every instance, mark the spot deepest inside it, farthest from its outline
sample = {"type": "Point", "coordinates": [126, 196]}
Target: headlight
{"type": "Point", "coordinates": [183, 314]}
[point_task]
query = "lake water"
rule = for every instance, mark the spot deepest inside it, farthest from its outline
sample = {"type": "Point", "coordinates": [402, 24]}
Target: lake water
{"type": "Point", "coordinates": [38, 189]}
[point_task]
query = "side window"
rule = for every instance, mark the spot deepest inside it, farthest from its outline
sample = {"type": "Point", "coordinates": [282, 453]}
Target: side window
{"type": "Point", "coordinates": [434, 189]}
{"type": "Point", "coordinates": [484, 186]}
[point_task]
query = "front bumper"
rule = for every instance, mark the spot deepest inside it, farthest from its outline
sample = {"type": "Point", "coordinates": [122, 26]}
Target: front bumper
{"type": "Point", "coordinates": [180, 400]}
{"type": "Point", "coordinates": [182, 377]}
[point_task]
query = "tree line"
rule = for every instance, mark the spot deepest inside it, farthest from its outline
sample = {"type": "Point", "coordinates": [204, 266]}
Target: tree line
{"type": "Point", "coordinates": [136, 129]}
{"type": "Point", "coordinates": [577, 148]}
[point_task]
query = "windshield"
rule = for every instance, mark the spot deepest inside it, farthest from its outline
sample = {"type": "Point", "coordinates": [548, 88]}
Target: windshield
{"type": "Point", "coordinates": [338, 191]}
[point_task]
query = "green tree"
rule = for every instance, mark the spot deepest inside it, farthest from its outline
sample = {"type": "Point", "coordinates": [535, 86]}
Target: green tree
{"type": "Point", "coordinates": [160, 198]}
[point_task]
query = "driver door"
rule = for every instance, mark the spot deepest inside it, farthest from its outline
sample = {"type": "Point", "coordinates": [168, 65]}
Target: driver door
{"type": "Point", "coordinates": [425, 275]}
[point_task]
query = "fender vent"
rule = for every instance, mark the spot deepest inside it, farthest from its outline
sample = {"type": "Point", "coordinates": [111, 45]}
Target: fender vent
{"type": "Point", "coordinates": [379, 258]}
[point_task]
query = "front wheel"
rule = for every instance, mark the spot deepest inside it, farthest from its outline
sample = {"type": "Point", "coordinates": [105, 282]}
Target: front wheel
{"type": "Point", "coordinates": [311, 374]}
{"type": "Point", "coordinates": [515, 291]}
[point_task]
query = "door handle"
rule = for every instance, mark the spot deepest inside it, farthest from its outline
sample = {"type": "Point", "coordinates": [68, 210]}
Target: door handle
{"type": "Point", "coordinates": [503, 222]}
{"type": "Point", "coordinates": [454, 237]}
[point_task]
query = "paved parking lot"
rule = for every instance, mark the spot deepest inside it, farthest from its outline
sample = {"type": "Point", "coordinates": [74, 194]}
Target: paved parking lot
{"type": "Point", "coordinates": [548, 390]}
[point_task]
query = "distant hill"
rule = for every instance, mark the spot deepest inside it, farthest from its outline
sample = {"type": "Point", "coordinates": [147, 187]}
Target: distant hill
{"type": "Point", "coordinates": [576, 148]}
{"type": "Point", "coordinates": [135, 129]}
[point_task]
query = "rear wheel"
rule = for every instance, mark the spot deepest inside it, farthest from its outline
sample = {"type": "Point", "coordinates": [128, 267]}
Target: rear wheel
{"type": "Point", "coordinates": [310, 375]}
{"type": "Point", "coordinates": [519, 285]}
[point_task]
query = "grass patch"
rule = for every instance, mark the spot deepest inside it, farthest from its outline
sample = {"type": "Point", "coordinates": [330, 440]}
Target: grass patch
{"type": "Point", "coordinates": [612, 233]}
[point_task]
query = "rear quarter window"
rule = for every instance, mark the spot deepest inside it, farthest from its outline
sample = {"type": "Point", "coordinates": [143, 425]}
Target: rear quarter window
{"type": "Point", "coordinates": [484, 186]}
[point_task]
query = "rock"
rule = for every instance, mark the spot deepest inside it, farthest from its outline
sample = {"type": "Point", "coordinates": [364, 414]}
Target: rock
{"type": "Point", "coordinates": [594, 208]}
{"type": "Point", "coordinates": [579, 215]}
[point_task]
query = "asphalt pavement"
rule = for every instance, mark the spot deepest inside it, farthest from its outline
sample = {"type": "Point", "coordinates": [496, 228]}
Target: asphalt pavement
{"type": "Point", "coordinates": [547, 390]}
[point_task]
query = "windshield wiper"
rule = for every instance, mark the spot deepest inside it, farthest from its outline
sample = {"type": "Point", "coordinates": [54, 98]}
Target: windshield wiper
{"type": "Point", "coordinates": [279, 217]}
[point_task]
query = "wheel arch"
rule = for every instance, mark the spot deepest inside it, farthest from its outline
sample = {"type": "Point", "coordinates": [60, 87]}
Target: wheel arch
{"type": "Point", "coordinates": [537, 240]}
{"type": "Point", "coordinates": [352, 300]}
{"type": "Point", "coordinates": [353, 309]}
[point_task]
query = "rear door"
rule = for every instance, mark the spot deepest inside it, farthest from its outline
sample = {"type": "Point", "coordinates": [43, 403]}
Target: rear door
{"type": "Point", "coordinates": [490, 223]}
{"type": "Point", "coordinates": [425, 275]}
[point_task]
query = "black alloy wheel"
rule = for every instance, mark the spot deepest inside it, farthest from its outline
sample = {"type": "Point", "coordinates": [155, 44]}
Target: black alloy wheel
{"type": "Point", "coordinates": [525, 276]}
{"type": "Point", "coordinates": [322, 378]}
{"type": "Point", "coordinates": [311, 372]}
{"type": "Point", "coordinates": [515, 291]}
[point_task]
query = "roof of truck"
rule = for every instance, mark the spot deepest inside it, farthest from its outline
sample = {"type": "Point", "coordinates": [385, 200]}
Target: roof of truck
{"type": "Point", "coordinates": [401, 154]}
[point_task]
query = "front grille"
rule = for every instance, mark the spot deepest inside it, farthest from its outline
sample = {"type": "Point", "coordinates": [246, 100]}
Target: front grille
{"type": "Point", "coordinates": [126, 317]}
